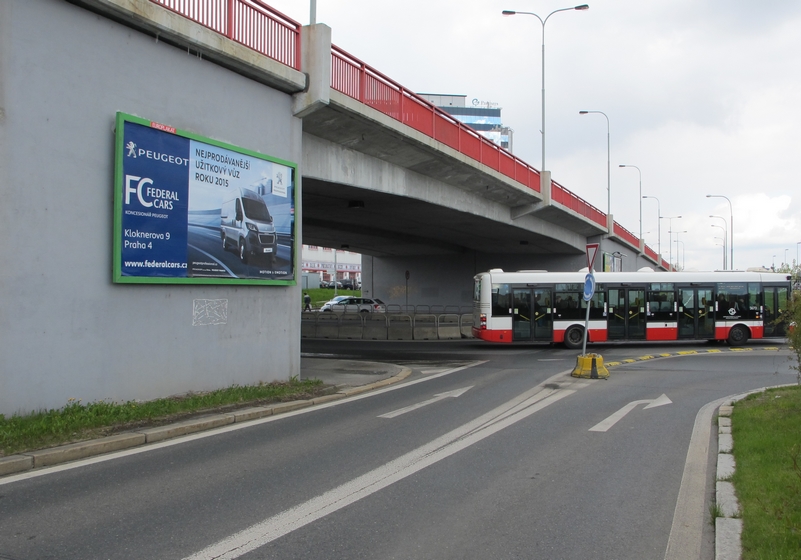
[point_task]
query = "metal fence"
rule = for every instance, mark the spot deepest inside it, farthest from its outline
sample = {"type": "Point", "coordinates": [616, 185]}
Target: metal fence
{"type": "Point", "coordinates": [420, 324]}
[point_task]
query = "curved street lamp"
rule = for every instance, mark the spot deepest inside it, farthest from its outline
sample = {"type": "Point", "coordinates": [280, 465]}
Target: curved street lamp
{"type": "Point", "coordinates": [658, 225]}
{"type": "Point", "coordinates": [670, 237]}
{"type": "Point", "coordinates": [731, 226]}
{"type": "Point", "coordinates": [641, 196]}
{"type": "Point", "coordinates": [725, 229]}
{"type": "Point", "coordinates": [677, 245]}
{"type": "Point", "coordinates": [608, 172]}
{"type": "Point", "coordinates": [725, 235]}
{"type": "Point", "coordinates": [543, 22]}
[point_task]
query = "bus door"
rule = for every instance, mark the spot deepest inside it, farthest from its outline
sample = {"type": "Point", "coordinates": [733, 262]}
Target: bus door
{"type": "Point", "coordinates": [696, 313]}
{"type": "Point", "coordinates": [521, 314]}
{"type": "Point", "coordinates": [532, 317]}
{"type": "Point", "coordinates": [543, 314]}
{"type": "Point", "coordinates": [626, 317]}
{"type": "Point", "coordinates": [775, 303]}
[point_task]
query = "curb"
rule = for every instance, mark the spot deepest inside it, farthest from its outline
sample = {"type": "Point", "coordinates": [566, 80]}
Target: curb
{"type": "Point", "coordinates": [729, 526]}
{"type": "Point", "coordinates": [688, 353]}
{"type": "Point", "coordinates": [22, 462]}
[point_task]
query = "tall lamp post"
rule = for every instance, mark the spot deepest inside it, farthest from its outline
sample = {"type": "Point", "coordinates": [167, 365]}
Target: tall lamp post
{"type": "Point", "coordinates": [608, 171]}
{"type": "Point", "coordinates": [731, 226]}
{"type": "Point", "coordinates": [683, 253]}
{"type": "Point", "coordinates": [641, 197]}
{"type": "Point", "coordinates": [658, 225]}
{"type": "Point", "coordinates": [677, 244]}
{"type": "Point", "coordinates": [543, 22]}
{"type": "Point", "coordinates": [670, 237]}
{"type": "Point", "coordinates": [726, 234]}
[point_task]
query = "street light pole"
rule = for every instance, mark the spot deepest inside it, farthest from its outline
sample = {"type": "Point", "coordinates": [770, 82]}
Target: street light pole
{"type": "Point", "coordinates": [677, 246]}
{"type": "Point", "coordinates": [641, 197]}
{"type": "Point", "coordinates": [658, 225]}
{"type": "Point", "coordinates": [726, 234]}
{"type": "Point", "coordinates": [731, 226]}
{"type": "Point", "coordinates": [543, 22]}
{"type": "Point", "coordinates": [670, 237]}
{"type": "Point", "coordinates": [608, 159]}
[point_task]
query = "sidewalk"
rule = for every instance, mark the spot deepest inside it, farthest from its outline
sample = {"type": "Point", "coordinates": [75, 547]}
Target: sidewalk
{"type": "Point", "coordinates": [345, 377]}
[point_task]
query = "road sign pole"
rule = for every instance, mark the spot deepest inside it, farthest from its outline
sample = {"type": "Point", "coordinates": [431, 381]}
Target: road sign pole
{"type": "Point", "coordinates": [586, 329]}
{"type": "Point", "coordinates": [589, 290]}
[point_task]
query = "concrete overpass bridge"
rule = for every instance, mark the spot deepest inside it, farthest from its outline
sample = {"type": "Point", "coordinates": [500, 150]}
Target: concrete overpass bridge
{"type": "Point", "coordinates": [386, 174]}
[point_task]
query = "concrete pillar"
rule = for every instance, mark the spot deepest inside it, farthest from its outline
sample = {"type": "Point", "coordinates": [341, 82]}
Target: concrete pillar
{"type": "Point", "coordinates": [315, 63]}
{"type": "Point", "coordinates": [545, 187]}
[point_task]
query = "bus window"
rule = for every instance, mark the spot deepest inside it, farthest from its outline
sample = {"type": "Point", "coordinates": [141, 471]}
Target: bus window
{"type": "Point", "coordinates": [596, 306]}
{"type": "Point", "coordinates": [567, 305]}
{"type": "Point", "coordinates": [731, 301]}
{"type": "Point", "coordinates": [737, 301]}
{"type": "Point", "coordinates": [661, 306]}
{"type": "Point", "coordinates": [501, 300]}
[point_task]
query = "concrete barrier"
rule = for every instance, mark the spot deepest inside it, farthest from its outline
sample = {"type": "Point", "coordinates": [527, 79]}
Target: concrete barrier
{"type": "Point", "coordinates": [425, 327]}
{"type": "Point", "coordinates": [448, 327]}
{"type": "Point", "coordinates": [308, 324]}
{"type": "Point", "coordinates": [350, 326]}
{"type": "Point", "coordinates": [376, 327]}
{"type": "Point", "coordinates": [327, 325]}
{"type": "Point", "coordinates": [400, 327]}
{"type": "Point", "coordinates": [466, 325]}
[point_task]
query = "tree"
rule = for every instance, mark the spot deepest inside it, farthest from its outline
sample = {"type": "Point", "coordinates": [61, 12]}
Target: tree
{"type": "Point", "coordinates": [792, 318]}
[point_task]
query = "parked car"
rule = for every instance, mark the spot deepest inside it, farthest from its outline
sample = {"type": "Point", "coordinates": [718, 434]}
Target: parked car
{"type": "Point", "coordinates": [347, 284]}
{"type": "Point", "coordinates": [332, 283]}
{"type": "Point", "coordinates": [342, 304]}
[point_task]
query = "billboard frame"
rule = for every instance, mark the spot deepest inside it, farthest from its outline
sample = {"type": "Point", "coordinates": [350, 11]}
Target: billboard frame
{"type": "Point", "coordinates": [119, 278]}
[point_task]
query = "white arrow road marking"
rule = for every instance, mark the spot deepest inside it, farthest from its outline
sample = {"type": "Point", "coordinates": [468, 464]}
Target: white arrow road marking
{"type": "Point", "coordinates": [464, 436]}
{"type": "Point", "coordinates": [612, 420]}
{"type": "Point", "coordinates": [438, 397]}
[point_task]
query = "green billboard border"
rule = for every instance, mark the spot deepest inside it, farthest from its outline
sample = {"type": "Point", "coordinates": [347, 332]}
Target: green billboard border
{"type": "Point", "coordinates": [117, 276]}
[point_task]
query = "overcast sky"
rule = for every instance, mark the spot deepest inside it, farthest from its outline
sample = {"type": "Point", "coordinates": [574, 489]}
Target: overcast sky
{"type": "Point", "coordinates": [704, 96]}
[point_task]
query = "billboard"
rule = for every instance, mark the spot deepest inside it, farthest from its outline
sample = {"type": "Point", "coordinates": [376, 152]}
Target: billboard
{"type": "Point", "coordinates": [192, 210]}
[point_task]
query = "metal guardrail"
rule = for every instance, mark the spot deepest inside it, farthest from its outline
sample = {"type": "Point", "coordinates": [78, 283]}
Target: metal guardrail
{"type": "Point", "coordinates": [251, 23]}
{"type": "Point", "coordinates": [386, 326]}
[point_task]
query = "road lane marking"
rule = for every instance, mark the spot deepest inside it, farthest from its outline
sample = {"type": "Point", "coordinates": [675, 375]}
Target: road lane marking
{"type": "Point", "coordinates": [604, 425]}
{"type": "Point", "coordinates": [270, 529]}
{"type": "Point", "coordinates": [438, 397]}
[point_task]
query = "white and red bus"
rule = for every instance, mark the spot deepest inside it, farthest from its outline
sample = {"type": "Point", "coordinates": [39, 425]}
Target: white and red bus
{"type": "Point", "coordinates": [530, 306]}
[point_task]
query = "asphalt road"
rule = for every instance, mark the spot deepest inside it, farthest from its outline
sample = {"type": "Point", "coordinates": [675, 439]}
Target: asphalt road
{"type": "Point", "coordinates": [483, 452]}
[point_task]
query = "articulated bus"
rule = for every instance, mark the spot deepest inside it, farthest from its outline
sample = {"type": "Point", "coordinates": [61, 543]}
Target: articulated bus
{"type": "Point", "coordinates": [530, 306]}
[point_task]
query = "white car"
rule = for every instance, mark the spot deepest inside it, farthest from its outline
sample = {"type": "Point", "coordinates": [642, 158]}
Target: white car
{"type": "Point", "coordinates": [342, 304]}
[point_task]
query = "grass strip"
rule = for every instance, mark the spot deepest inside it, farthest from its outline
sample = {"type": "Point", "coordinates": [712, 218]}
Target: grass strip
{"type": "Point", "coordinates": [766, 429]}
{"type": "Point", "coordinates": [76, 421]}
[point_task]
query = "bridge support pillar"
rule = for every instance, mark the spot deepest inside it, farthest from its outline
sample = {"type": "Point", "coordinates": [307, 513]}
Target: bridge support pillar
{"type": "Point", "coordinates": [316, 65]}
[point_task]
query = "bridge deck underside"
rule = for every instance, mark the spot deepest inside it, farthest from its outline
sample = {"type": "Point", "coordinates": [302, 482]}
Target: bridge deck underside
{"type": "Point", "coordinates": [390, 225]}
{"type": "Point", "coordinates": [399, 225]}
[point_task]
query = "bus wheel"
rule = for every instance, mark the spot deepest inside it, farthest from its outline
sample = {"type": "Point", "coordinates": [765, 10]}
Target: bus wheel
{"type": "Point", "coordinates": [574, 337]}
{"type": "Point", "coordinates": [738, 335]}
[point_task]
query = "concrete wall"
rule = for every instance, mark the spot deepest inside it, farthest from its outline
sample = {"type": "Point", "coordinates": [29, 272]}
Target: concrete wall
{"type": "Point", "coordinates": [448, 279]}
{"type": "Point", "coordinates": [65, 330]}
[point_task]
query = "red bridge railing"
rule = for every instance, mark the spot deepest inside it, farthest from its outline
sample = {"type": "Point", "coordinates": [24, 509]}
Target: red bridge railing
{"type": "Point", "coordinates": [354, 78]}
{"type": "Point", "coordinates": [626, 235]}
{"type": "Point", "coordinates": [252, 23]}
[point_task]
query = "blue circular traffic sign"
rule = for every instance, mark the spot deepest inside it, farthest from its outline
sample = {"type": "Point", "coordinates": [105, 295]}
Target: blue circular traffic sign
{"type": "Point", "coordinates": [589, 286]}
